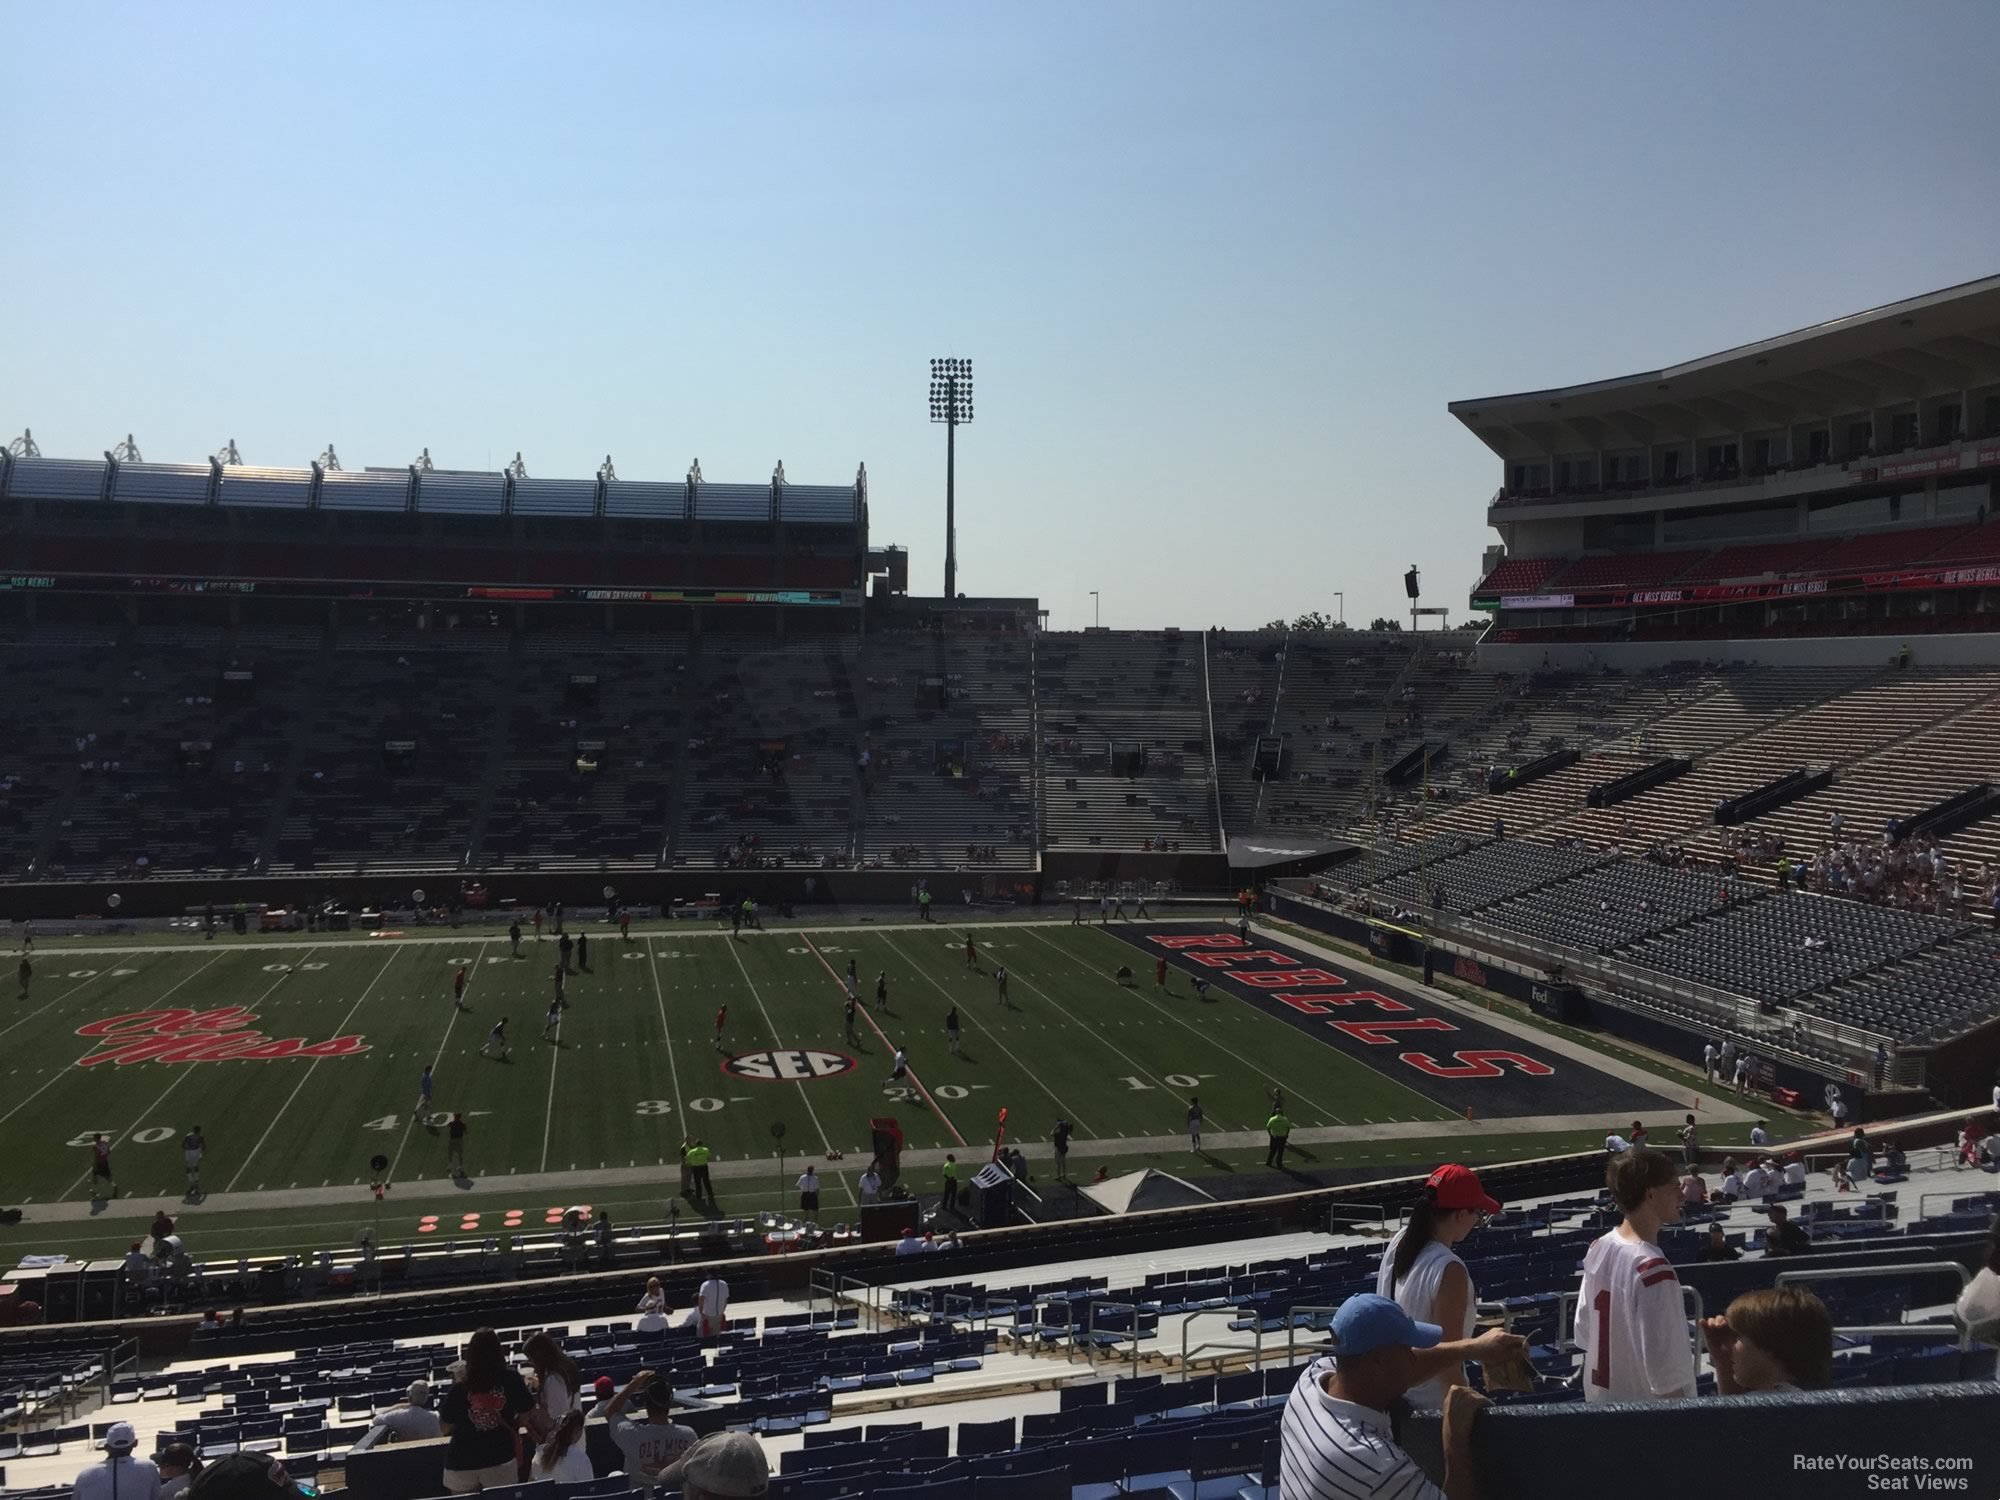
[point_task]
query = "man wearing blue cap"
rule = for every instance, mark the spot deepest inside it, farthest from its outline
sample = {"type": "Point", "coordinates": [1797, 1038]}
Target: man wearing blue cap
{"type": "Point", "coordinates": [1336, 1439]}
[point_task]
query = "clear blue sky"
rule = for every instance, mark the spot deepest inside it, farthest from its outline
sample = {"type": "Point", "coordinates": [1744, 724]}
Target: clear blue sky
{"type": "Point", "coordinates": [1220, 267]}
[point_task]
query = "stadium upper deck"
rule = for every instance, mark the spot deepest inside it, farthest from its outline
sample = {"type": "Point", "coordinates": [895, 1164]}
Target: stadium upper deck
{"type": "Point", "coordinates": [123, 524]}
{"type": "Point", "coordinates": [1835, 481]}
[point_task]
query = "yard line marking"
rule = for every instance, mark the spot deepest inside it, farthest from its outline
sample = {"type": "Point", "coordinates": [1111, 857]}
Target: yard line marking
{"type": "Point", "coordinates": [179, 1078]}
{"type": "Point", "coordinates": [300, 1085]}
{"type": "Point", "coordinates": [1169, 1014]}
{"type": "Point", "coordinates": [473, 971]}
{"type": "Point", "coordinates": [882, 1036]}
{"type": "Point", "coordinates": [1160, 1079]}
{"type": "Point", "coordinates": [59, 1072]}
{"type": "Point", "coordinates": [549, 1114]}
{"type": "Point", "coordinates": [82, 984]}
{"type": "Point", "coordinates": [778, 1041]}
{"type": "Point", "coordinates": [666, 1036]}
{"type": "Point", "coordinates": [972, 1014]}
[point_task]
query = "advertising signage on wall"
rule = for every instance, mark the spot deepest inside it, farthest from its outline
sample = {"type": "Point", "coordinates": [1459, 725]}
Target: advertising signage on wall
{"type": "Point", "coordinates": [1899, 580]}
{"type": "Point", "coordinates": [487, 593]}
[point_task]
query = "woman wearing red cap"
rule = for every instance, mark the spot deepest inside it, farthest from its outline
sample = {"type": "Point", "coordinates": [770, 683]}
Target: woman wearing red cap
{"type": "Point", "coordinates": [1425, 1277]}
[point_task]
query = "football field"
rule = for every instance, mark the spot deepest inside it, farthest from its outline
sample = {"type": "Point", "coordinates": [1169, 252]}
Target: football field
{"type": "Point", "coordinates": [300, 1061]}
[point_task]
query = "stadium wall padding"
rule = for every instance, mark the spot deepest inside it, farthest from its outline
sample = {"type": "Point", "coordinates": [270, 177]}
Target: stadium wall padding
{"type": "Point", "coordinates": [1734, 1445]}
{"type": "Point", "coordinates": [1202, 871]}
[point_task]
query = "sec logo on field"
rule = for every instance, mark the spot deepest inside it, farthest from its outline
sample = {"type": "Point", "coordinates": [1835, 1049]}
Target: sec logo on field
{"type": "Point", "coordinates": [794, 1065]}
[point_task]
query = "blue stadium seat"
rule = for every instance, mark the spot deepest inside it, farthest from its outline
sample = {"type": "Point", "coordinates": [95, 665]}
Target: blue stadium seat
{"type": "Point", "coordinates": [1034, 1485]}
{"type": "Point", "coordinates": [975, 1438]}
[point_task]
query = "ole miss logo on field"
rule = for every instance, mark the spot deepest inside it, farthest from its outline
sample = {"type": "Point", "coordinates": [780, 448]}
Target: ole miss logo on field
{"type": "Point", "coordinates": [181, 1036]}
{"type": "Point", "coordinates": [788, 1065]}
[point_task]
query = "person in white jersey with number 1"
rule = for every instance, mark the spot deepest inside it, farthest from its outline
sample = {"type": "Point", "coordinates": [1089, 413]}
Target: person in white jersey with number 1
{"type": "Point", "coordinates": [1423, 1275]}
{"type": "Point", "coordinates": [1630, 1322]}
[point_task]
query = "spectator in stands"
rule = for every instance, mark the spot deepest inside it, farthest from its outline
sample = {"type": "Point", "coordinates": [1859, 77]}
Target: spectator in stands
{"type": "Point", "coordinates": [1860, 1156]}
{"type": "Point", "coordinates": [1690, 1143]}
{"type": "Point", "coordinates": [179, 1467]}
{"type": "Point", "coordinates": [1783, 1237]}
{"type": "Point", "coordinates": [1630, 1324]}
{"type": "Point", "coordinates": [1978, 1307]}
{"type": "Point", "coordinates": [1772, 1339]}
{"type": "Point", "coordinates": [649, 1446]}
{"type": "Point", "coordinates": [1422, 1273]}
{"type": "Point", "coordinates": [652, 1308]}
{"type": "Point", "coordinates": [563, 1457]}
{"type": "Point", "coordinates": [1336, 1440]}
{"type": "Point", "coordinates": [1759, 1136]}
{"type": "Point", "coordinates": [710, 1313]}
{"type": "Point", "coordinates": [1694, 1192]}
{"type": "Point", "coordinates": [556, 1383]}
{"type": "Point", "coordinates": [1616, 1144]}
{"type": "Point", "coordinates": [1756, 1181]}
{"type": "Point", "coordinates": [721, 1466]}
{"type": "Point", "coordinates": [1968, 1144]}
{"type": "Point", "coordinates": [1718, 1246]}
{"type": "Point", "coordinates": [1795, 1171]}
{"type": "Point", "coordinates": [411, 1419]}
{"type": "Point", "coordinates": [480, 1416]}
{"type": "Point", "coordinates": [119, 1476]}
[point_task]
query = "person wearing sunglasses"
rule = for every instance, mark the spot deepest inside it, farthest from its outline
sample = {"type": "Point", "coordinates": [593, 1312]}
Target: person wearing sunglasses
{"type": "Point", "coordinates": [1422, 1274]}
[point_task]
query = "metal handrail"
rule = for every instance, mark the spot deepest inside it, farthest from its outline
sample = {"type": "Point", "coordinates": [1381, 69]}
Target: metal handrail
{"type": "Point", "coordinates": [1090, 1327]}
{"type": "Point", "coordinates": [1961, 1336]}
{"type": "Point", "coordinates": [1256, 1350]}
{"type": "Point", "coordinates": [1292, 1327]}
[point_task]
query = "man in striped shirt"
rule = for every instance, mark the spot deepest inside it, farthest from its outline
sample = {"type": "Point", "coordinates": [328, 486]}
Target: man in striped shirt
{"type": "Point", "coordinates": [1336, 1442]}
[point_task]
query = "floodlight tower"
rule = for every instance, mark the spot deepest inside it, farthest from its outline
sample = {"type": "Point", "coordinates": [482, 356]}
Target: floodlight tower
{"type": "Point", "coordinates": [951, 404]}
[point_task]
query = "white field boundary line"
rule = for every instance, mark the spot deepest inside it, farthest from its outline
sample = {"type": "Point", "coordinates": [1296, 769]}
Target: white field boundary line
{"type": "Point", "coordinates": [474, 970]}
{"type": "Point", "coordinates": [299, 1087]}
{"type": "Point", "coordinates": [778, 1040]}
{"type": "Point", "coordinates": [63, 1072]}
{"type": "Point", "coordinates": [1211, 1041]}
{"type": "Point", "coordinates": [1075, 1120]}
{"type": "Point", "coordinates": [883, 1038]}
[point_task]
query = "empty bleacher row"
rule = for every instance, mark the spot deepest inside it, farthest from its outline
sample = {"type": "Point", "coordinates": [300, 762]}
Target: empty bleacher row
{"type": "Point", "coordinates": [951, 746]}
{"type": "Point", "coordinates": [1902, 974]}
{"type": "Point", "coordinates": [386, 747]}
{"type": "Point", "coordinates": [1125, 740]}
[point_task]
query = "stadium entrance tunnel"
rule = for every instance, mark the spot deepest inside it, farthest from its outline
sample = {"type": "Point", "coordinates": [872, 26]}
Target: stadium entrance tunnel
{"type": "Point", "coordinates": [1450, 1058]}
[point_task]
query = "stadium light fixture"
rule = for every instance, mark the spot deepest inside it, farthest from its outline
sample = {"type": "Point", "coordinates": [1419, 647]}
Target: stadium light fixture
{"type": "Point", "coordinates": [605, 470]}
{"type": "Point", "coordinates": [227, 453]}
{"type": "Point", "coordinates": [517, 469]}
{"type": "Point", "coordinates": [422, 462]}
{"type": "Point", "coordinates": [127, 452]}
{"type": "Point", "coordinates": [951, 404]}
{"type": "Point", "coordinates": [25, 446]}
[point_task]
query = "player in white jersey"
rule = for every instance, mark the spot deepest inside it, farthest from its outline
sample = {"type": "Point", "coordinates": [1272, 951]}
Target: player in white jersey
{"type": "Point", "coordinates": [1630, 1322]}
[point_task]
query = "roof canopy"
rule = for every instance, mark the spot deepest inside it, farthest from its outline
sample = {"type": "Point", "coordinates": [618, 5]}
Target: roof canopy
{"type": "Point", "coordinates": [1944, 341]}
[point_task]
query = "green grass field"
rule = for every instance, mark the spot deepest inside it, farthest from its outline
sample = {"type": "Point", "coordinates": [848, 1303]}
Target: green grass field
{"type": "Point", "coordinates": [598, 1116]}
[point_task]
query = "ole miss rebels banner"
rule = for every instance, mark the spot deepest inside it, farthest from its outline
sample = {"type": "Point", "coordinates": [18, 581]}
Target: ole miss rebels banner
{"type": "Point", "coordinates": [1444, 1054]}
